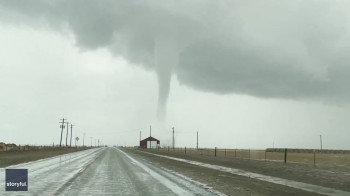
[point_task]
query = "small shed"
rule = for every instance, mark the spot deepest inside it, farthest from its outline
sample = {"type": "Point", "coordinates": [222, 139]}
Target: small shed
{"type": "Point", "coordinates": [149, 142]}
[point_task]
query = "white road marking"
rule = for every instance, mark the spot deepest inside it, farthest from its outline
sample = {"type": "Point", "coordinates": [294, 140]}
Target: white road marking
{"type": "Point", "coordinates": [171, 185]}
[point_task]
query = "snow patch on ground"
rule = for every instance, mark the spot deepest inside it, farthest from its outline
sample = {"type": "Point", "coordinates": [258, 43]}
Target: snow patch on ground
{"type": "Point", "coordinates": [205, 186]}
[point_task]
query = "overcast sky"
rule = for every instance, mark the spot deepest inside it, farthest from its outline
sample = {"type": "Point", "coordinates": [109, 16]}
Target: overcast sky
{"type": "Point", "coordinates": [244, 74]}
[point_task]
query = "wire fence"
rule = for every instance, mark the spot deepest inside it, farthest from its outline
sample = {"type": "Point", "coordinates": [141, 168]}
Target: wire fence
{"type": "Point", "coordinates": [14, 147]}
{"type": "Point", "coordinates": [306, 156]}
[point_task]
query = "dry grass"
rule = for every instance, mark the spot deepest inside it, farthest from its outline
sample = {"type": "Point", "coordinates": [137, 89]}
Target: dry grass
{"type": "Point", "coordinates": [12, 157]}
{"type": "Point", "coordinates": [318, 158]}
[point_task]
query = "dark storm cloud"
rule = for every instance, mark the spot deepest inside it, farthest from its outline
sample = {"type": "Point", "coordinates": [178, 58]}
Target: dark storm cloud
{"type": "Point", "coordinates": [224, 67]}
{"type": "Point", "coordinates": [273, 49]}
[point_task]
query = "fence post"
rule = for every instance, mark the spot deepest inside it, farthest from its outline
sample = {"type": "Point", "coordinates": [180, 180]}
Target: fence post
{"type": "Point", "coordinates": [314, 158]}
{"type": "Point", "coordinates": [185, 149]}
{"type": "Point", "coordinates": [285, 155]}
{"type": "Point", "coordinates": [249, 154]}
{"type": "Point", "coordinates": [265, 154]}
{"type": "Point", "coordinates": [215, 151]}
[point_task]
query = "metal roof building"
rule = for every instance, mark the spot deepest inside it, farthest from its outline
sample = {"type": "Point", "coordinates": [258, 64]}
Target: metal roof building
{"type": "Point", "coordinates": [149, 142]}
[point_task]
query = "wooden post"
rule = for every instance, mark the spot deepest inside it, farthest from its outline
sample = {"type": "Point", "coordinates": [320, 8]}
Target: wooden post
{"type": "Point", "coordinates": [314, 158]}
{"type": "Point", "coordinates": [285, 155]}
{"type": "Point", "coordinates": [215, 152]}
{"type": "Point", "coordinates": [197, 140]}
{"type": "Point", "coordinates": [265, 154]}
{"type": "Point", "coordinates": [185, 149]}
{"type": "Point", "coordinates": [249, 154]}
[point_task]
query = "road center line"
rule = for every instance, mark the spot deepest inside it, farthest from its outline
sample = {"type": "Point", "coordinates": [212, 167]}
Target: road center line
{"type": "Point", "coordinates": [271, 179]}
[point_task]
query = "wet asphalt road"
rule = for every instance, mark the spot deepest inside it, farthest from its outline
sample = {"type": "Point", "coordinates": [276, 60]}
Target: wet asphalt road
{"type": "Point", "coordinates": [104, 171]}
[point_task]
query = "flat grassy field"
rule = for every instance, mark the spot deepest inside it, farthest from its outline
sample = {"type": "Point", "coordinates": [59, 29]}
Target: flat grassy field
{"type": "Point", "coordinates": [318, 158]}
{"type": "Point", "coordinates": [298, 169]}
{"type": "Point", "coordinates": [12, 157]}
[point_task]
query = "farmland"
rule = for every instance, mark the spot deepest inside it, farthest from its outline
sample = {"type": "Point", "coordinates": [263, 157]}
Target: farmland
{"type": "Point", "coordinates": [321, 158]}
{"type": "Point", "coordinates": [322, 175]}
{"type": "Point", "coordinates": [12, 157]}
{"type": "Point", "coordinates": [135, 171]}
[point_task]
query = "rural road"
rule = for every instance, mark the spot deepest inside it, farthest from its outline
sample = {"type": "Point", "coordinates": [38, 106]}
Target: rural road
{"type": "Point", "coordinates": [103, 171]}
{"type": "Point", "coordinates": [114, 171]}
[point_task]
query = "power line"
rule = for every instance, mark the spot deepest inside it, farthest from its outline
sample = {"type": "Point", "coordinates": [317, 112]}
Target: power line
{"type": "Point", "coordinates": [118, 132]}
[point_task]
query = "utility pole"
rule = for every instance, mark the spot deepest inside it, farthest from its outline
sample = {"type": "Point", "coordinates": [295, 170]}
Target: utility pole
{"type": "Point", "coordinates": [197, 140]}
{"type": "Point", "coordinates": [67, 134]}
{"type": "Point", "coordinates": [321, 141]}
{"type": "Point", "coordinates": [150, 135]}
{"type": "Point", "coordinates": [83, 138]}
{"type": "Point", "coordinates": [71, 127]}
{"type": "Point", "coordinates": [62, 127]}
{"type": "Point", "coordinates": [173, 139]}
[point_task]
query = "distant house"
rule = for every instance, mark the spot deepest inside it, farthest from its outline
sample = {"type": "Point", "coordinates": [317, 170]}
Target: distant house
{"type": "Point", "coordinates": [2, 146]}
{"type": "Point", "coordinates": [149, 142]}
{"type": "Point", "coordinates": [10, 146]}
